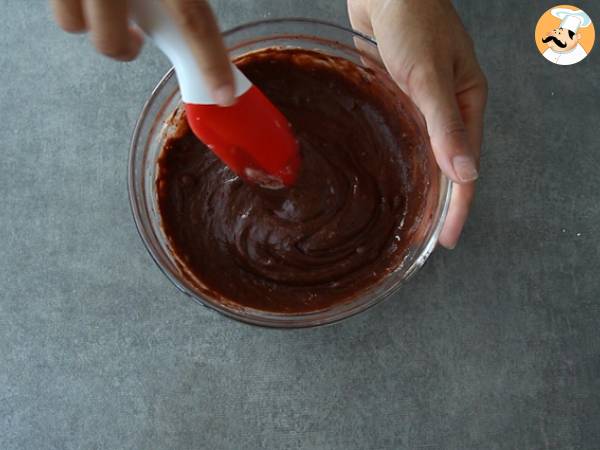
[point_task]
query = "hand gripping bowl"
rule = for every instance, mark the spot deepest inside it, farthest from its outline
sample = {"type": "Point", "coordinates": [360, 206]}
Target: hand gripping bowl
{"type": "Point", "coordinates": [155, 123]}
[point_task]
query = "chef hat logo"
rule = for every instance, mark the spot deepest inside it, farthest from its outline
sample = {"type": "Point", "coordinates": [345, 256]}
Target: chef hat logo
{"type": "Point", "coordinates": [565, 35]}
{"type": "Point", "coordinates": [571, 20]}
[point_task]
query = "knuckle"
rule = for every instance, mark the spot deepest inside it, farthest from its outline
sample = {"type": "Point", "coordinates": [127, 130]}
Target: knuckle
{"type": "Point", "coordinates": [215, 73]}
{"type": "Point", "coordinates": [420, 78]}
{"type": "Point", "coordinates": [190, 13]}
{"type": "Point", "coordinates": [454, 127]}
{"type": "Point", "coordinates": [201, 33]}
{"type": "Point", "coordinates": [400, 71]}
{"type": "Point", "coordinates": [186, 20]}
{"type": "Point", "coordinates": [482, 87]}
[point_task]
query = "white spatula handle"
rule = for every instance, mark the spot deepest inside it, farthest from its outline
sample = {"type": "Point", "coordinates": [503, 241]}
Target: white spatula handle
{"type": "Point", "coordinates": [153, 18]}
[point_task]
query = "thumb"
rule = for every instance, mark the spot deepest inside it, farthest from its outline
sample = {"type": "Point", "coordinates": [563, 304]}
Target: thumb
{"type": "Point", "coordinates": [434, 94]}
{"type": "Point", "coordinates": [199, 27]}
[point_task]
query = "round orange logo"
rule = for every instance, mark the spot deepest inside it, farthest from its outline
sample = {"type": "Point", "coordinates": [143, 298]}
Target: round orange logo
{"type": "Point", "coordinates": [565, 35]}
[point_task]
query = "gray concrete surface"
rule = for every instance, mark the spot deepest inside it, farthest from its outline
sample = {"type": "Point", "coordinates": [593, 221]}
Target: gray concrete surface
{"type": "Point", "coordinates": [495, 345]}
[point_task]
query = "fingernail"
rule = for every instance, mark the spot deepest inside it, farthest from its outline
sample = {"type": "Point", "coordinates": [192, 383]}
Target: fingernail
{"type": "Point", "coordinates": [465, 168]}
{"type": "Point", "coordinates": [224, 95]}
{"type": "Point", "coordinates": [451, 246]}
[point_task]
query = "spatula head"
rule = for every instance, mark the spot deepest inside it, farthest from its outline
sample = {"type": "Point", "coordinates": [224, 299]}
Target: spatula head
{"type": "Point", "coordinates": [252, 137]}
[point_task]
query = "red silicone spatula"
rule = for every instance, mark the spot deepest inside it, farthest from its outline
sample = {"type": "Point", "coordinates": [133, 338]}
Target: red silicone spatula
{"type": "Point", "coordinates": [252, 136]}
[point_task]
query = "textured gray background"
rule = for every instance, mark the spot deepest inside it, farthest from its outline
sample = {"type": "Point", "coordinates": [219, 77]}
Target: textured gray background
{"type": "Point", "coordinates": [495, 345]}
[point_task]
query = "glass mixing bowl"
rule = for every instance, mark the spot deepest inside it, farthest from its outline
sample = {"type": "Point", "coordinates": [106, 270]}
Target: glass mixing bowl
{"type": "Point", "coordinates": [156, 121]}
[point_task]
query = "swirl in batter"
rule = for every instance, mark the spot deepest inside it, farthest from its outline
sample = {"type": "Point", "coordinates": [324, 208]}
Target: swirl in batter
{"type": "Point", "coordinates": [344, 225]}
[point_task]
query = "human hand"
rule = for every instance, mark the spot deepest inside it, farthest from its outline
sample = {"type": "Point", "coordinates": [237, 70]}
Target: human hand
{"type": "Point", "coordinates": [112, 35]}
{"type": "Point", "coordinates": [428, 53]}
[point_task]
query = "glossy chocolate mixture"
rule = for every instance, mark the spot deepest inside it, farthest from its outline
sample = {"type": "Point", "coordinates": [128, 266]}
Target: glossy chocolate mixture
{"type": "Point", "coordinates": [344, 225]}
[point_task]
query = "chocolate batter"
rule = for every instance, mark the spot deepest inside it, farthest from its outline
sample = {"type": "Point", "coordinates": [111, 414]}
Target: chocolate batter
{"type": "Point", "coordinates": [348, 221]}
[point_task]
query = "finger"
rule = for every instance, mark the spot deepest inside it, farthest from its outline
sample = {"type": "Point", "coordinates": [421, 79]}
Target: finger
{"type": "Point", "coordinates": [200, 29]}
{"type": "Point", "coordinates": [433, 92]}
{"type": "Point", "coordinates": [69, 15]}
{"type": "Point", "coordinates": [472, 106]}
{"type": "Point", "coordinates": [110, 31]}
{"type": "Point", "coordinates": [460, 203]}
{"type": "Point", "coordinates": [471, 103]}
